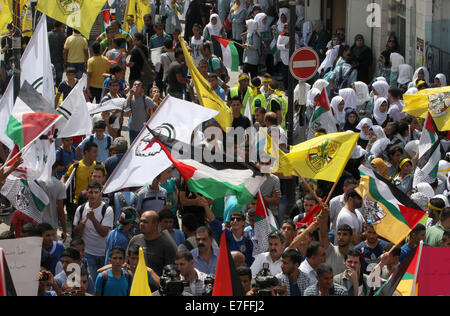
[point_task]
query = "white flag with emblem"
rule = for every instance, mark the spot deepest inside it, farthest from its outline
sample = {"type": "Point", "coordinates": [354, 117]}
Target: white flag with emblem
{"type": "Point", "coordinates": [36, 64]}
{"type": "Point", "coordinates": [145, 159]}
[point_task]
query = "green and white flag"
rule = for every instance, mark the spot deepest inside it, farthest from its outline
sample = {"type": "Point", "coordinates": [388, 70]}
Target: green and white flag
{"type": "Point", "coordinates": [26, 197]}
{"type": "Point", "coordinates": [322, 118]}
{"type": "Point", "coordinates": [227, 53]}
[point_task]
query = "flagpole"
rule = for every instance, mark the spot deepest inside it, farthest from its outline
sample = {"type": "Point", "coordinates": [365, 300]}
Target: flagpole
{"type": "Point", "coordinates": [331, 192]}
{"type": "Point", "coordinates": [413, 290]}
{"type": "Point", "coordinates": [309, 188]}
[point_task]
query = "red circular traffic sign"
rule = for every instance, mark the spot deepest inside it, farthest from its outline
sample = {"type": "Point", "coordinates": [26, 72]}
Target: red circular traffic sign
{"type": "Point", "coordinates": [304, 63]}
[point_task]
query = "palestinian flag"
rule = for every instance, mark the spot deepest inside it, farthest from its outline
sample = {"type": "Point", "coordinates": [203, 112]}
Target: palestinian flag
{"type": "Point", "coordinates": [391, 212]}
{"type": "Point", "coordinates": [31, 116]}
{"type": "Point", "coordinates": [215, 179]}
{"type": "Point", "coordinates": [402, 280]}
{"type": "Point", "coordinates": [264, 224]}
{"type": "Point", "coordinates": [227, 281]}
{"type": "Point", "coordinates": [309, 218]}
{"type": "Point", "coordinates": [6, 283]}
{"type": "Point", "coordinates": [106, 19]}
{"type": "Point", "coordinates": [322, 117]}
{"type": "Point", "coordinates": [429, 154]}
{"type": "Point", "coordinates": [226, 50]}
{"type": "Point", "coordinates": [26, 197]}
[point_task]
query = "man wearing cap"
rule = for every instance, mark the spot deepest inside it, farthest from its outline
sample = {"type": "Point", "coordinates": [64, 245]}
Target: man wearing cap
{"type": "Point", "coordinates": [120, 147]}
{"type": "Point", "coordinates": [99, 137]}
{"type": "Point", "coordinates": [242, 90]}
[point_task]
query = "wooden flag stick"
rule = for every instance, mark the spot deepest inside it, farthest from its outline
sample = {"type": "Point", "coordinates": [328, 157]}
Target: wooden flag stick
{"type": "Point", "coordinates": [309, 187]}
{"type": "Point", "coordinates": [331, 192]}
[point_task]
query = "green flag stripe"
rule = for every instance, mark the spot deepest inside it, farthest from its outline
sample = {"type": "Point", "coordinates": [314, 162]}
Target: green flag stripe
{"type": "Point", "coordinates": [373, 189]}
{"type": "Point", "coordinates": [317, 113]}
{"type": "Point", "coordinates": [234, 57]}
{"type": "Point", "coordinates": [14, 131]}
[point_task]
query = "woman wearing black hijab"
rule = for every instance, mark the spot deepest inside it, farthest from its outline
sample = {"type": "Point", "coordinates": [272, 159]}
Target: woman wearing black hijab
{"type": "Point", "coordinates": [364, 56]}
{"type": "Point", "coordinates": [198, 13]}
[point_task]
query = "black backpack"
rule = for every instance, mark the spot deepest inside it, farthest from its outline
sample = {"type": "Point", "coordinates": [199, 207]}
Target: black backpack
{"type": "Point", "coordinates": [148, 69]}
{"type": "Point", "coordinates": [82, 211]}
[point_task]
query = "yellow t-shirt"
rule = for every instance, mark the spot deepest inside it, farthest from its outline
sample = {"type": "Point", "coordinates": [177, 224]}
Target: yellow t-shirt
{"type": "Point", "coordinates": [82, 177]}
{"type": "Point", "coordinates": [76, 46]}
{"type": "Point", "coordinates": [98, 65]}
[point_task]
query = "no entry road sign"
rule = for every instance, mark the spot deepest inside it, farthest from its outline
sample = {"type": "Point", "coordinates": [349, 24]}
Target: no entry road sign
{"type": "Point", "coordinates": [304, 63]}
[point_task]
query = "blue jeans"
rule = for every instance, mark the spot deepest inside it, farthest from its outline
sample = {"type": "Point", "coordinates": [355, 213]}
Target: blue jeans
{"type": "Point", "coordinates": [80, 67]}
{"type": "Point", "coordinates": [94, 263]}
{"type": "Point", "coordinates": [177, 94]}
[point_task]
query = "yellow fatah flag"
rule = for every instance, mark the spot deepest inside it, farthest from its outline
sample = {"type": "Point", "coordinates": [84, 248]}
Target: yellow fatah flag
{"type": "Point", "coordinates": [281, 164]}
{"type": "Point", "coordinates": [207, 96]}
{"type": "Point", "coordinates": [323, 157]}
{"type": "Point", "coordinates": [437, 101]}
{"type": "Point", "coordinates": [77, 14]}
{"type": "Point", "coordinates": [140, 285]}
{"type": "Point", "coordinates": [6, 7]}
{"type": "Point", "coordinates": [136, 8]}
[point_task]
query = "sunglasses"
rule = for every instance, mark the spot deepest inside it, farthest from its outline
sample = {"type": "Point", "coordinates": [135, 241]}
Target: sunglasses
{"type": "Point", "coordinates": [236, 219]}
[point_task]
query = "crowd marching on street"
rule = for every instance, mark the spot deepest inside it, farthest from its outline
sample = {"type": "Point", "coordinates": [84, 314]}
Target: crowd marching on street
{"type": "Point", "coordinates": [355, 194]}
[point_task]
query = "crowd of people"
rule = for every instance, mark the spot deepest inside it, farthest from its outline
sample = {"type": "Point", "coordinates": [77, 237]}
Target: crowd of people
{"type": "Point", "coordinates": [180, 230]}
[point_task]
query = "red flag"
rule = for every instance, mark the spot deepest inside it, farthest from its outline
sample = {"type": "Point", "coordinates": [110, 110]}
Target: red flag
{"type": "Point", "coordinates": [106, 15]}
{"type": "Point", "coordinates": [6, 284]}
{"type": "Point", "coordinates": [433, 277]}
{"type": "Point", "coordinates": [227, 282]}
{"type": "Point", "coordinates": [308, 219]}
{"type": "Point", "coordinates": [323, 100]}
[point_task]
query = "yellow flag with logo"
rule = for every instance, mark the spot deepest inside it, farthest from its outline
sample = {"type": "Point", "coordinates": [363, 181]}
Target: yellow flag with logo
{"type": "Point", "coordinates": [437, 101]}
{"type": "Point", "coordinates": [77, 14]}
{"type": "Point", "coordinates": [140, 285]}
{"type": "Point", "coordinates": [6, 7]}
{"type": "Point", "coordinates": [206, 95]}
{"type": "Point", "coordinates": [321, 158]}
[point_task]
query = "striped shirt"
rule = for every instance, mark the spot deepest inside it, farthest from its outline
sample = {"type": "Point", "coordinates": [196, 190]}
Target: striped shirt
{"type": "Point", "coordinates": [337, 290]}
{"type": "Point", "coordinates": [303, 282]}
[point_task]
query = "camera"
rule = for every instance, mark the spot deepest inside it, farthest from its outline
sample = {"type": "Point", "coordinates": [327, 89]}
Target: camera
{"type": "Point", "coordinates": [209, 285]}
{"type": "Point", "coordinates": [170, 285]}
{"type": "Point", "coordinates": [264, 281]}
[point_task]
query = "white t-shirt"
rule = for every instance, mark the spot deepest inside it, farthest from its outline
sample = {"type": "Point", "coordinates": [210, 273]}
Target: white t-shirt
{"type": "Point", "coordinates": [274, 267]}
{"type": "Point", "coordinates": [95, 244]}
{"type": "Point", "coordinates": [195, 45]}
{"type": "Point", "coordinates": [355, 221]}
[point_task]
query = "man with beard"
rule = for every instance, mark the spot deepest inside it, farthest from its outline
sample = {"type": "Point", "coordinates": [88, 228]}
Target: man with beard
{"type": "Point", "coordinates": [272, 257]}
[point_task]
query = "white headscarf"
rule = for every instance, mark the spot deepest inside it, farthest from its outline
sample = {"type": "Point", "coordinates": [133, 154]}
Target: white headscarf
{"type": "Point", "coordinates": [379, 146]}
{"type": "Point", "coordinates": [252, 27]}
{"type": "Point", "coordinates": [405, 73]}
{"type": "Point", "coordinates": [442, 79]}
{"type": "Point", "coordinates": [330, 56]}
{"type": "Point", "coordinates": [259, 19]}
{"type": "Point", "coordinates": [378, 130]}
{"type": "Point", "coordinates": [396, 61]}
{"type": "Point", "coordinates": [412, 148]}
{"type": "Point", "coordinates": [443, 198]}
{"type": "Point", "coordinates": [416, 75]}
{"type": "Point", "coordinates": [426, 189]}
{"type": "Point", "coordinates": [338, 115]}
{"type": "Point", "coordinates": [362, 92]}
{"type": "Point", "coordinates": [358, 152]}
{"type": "Point", "coordinates": [320, 84]}
{"type": "Point", "coordinates": [381, 79]}
{"type": "Point", "coordinates": [308, 29]}
{"type": "Point", "coordinates": [311, 95]}
{"type": "Point", "coordinates": [378, 115]}
{"type": "Point", "coordinates": [214, 29]}
{"type": "Point", "coordinates": [382, 88]}
{"type": "Point", "coordinates": [350, 98]}
{"type": "Point", "coordinates": [280, 25]}
{"type": "Point", "coordinates": [412, 90]}
{"type": "Point", "coordinates": [364, 121]}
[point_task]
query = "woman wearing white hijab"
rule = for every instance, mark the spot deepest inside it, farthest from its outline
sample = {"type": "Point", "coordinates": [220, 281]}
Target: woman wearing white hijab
{"type": "Point", "coordinates": [440, 80]}
{"type": "Point", "coordinates": [213, 28]}
{"type": "Point", "coordinates": [412, 90]}
{"type": "Point", "coordinates": [308, 29]}
{"type": "Point", "coordinates": [362, 99]}
{"type": "Point", "coordinates": [396, 61]}
{"type": "Point", "coordinates": [337, 105]}
{"type": "Point", "coordinates": [405, 74]}
{"type": "Point", "coordinates": [252, 49]}
{"type": "Point", "coordinates": [380, 89]}
{"type": "Point", "coordinates": [261, 19]}
{"type": "Point", "coordinates": [364, 126]}
{"type": "Point", "coordinates": [380, 113]}
{"type": "Point", "coordinates": [349, 96]}
{"type": "Point", "coordinates": [311, 101]}
{"type": "Point", "coordinates": [421, 73]}
{"type": "Point", "coordinates": [320, 84]}
{"type": "Point", "coordinates": [282, 20]}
